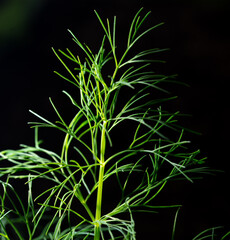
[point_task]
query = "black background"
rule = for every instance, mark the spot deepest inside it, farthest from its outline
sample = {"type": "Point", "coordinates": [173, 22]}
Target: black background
{"type": "Point", "coordinates": [197, 32]}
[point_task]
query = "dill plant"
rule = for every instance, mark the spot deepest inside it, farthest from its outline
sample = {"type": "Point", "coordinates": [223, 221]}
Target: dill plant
{"type": "Point", "coordinates": [77, 174]}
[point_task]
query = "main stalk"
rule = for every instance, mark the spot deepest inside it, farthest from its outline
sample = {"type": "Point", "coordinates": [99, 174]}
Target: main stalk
{"type": "Point", "coordinates": [100, 184]}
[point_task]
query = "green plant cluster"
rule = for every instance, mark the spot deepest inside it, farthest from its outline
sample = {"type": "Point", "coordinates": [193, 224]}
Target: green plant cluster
{"type": "Point", "coordinates": [74, 180]}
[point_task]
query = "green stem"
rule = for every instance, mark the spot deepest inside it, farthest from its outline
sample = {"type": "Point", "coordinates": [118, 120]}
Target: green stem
{"type": "Point", "coordinates": [64, 157]}
{"type": "Point", "coordinates": [100, 183]}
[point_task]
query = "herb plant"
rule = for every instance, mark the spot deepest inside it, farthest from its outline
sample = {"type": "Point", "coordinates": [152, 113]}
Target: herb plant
{"type": "Point", "coordinates": [114, 95]}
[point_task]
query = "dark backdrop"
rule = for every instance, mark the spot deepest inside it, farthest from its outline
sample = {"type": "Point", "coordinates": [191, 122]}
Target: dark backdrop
{"type": "Point", "coordinates": [197, 33]}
